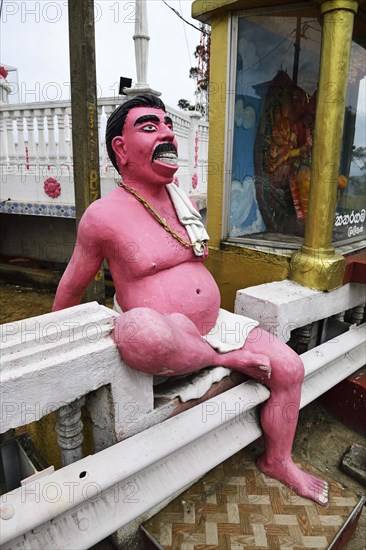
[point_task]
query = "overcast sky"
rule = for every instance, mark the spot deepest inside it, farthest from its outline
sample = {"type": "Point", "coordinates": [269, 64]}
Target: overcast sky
{"type": "Point", "coordinates": [34, 39]}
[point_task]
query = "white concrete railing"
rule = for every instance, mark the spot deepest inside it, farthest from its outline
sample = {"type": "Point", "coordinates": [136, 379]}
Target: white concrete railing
{"type": "Point", "coordinates": [35, 144]}
{"type": "Point", "coordinates": [283, 306]}
{"type": "Point", "coordinates": [50, 362]}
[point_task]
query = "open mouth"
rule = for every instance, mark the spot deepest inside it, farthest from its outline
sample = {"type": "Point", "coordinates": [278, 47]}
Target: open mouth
{"type": "Point", "coordinates": [166, 153]}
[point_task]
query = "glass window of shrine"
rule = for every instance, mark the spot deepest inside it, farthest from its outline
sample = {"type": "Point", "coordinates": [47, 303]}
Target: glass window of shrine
{"type": "Point", "coordinates": [275, 66]}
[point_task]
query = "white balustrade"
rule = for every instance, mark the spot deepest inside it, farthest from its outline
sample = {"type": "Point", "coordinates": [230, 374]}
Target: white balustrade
{"type": "Point", "coordinates": [36, 143]}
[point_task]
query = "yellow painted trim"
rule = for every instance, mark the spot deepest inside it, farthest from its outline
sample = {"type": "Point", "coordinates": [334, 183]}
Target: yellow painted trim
{"type": "Point", "coordinates": [330, 5]}
{"type": "Point", "coordinates": [217, 117]}
{"type": "Point", "coordinates": [200, 7]}
{"type": "Point", "coordinates": [235, 267]}
{"type": "Point", "coordinates": [204, 9]}
{"type": "Point", "coordinates": [317, 265]}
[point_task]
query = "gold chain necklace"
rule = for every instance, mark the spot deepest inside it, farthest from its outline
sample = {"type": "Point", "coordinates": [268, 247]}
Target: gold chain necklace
{"type": "Point", "coordinates": [157, 216]}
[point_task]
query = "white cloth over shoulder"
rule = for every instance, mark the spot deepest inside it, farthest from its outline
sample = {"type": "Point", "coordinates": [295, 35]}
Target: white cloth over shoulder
{"type": "Point", "coordinates": [189, 217]}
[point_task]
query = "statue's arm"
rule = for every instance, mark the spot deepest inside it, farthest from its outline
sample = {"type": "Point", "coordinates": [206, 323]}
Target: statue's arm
{"type": "Point", "coordinates": [84, 264]}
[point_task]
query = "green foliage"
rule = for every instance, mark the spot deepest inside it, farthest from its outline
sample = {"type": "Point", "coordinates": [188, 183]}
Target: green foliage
{"type": "Point", "coordinates": [201, 74]}
{"type": "Point", "coordinates": [184, 104]}
{"type": "Point", "coordinates": [359, 157]}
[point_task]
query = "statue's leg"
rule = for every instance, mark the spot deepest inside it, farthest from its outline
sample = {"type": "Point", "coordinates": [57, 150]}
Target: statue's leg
{"type": "Point", "coordinates": [171, 345]}
{"type": "Point", "coordinates": [279, 416]}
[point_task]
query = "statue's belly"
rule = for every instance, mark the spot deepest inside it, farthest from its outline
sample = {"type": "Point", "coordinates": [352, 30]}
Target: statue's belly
{"type": "Point", "coordinates": [188, 288]}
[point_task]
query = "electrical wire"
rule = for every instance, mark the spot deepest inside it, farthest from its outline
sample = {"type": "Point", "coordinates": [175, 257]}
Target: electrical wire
{"type": "Point", "coordinates": [181, 17]}
{"type": "Point", "coordinates": [185, 35]}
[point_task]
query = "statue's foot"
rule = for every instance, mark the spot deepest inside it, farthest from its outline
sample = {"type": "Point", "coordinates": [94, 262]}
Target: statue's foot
{"type": "Point", "coordinates": [302, 483]}
{"type": "Point", "coordinates": [255, 365]}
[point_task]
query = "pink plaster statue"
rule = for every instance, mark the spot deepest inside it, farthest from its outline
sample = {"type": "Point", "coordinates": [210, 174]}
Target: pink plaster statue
{"type": "Point", "coordinates": [168, 298]}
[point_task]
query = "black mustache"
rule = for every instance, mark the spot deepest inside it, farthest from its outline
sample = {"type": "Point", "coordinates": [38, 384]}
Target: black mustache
{"type": "Point", "coordinates": [164, 148]}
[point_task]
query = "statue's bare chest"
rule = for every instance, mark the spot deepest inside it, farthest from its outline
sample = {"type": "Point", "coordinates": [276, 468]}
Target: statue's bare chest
{"type": "Point", "coordinates": [141, 246]}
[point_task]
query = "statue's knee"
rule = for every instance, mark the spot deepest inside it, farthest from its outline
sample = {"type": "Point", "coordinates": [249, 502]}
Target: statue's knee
{"type": "Point", "coordinates": [288, 369]}
{"type": "Point", "coordinates": [297, 367]}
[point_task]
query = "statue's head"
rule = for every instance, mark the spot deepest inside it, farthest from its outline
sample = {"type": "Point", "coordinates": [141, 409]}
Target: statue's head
{"type": "Point", "coordinates": [140, 140]}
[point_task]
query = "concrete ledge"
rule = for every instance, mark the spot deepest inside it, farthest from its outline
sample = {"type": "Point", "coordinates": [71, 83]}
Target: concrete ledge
{"type": "Point", "coordinates": [52, 360]}
{"type": "Point", "coordinates": [281, 306]}
{"type": "Point", "coordinates": [39, 278]}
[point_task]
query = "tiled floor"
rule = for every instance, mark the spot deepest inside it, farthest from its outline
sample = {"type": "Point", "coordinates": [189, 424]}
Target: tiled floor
{"type": "Point", "coordinates": [235, 506]}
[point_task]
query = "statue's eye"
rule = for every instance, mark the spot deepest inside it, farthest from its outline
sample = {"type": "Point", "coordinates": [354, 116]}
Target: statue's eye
{"type": "Point", "coordinates": [149, 128]}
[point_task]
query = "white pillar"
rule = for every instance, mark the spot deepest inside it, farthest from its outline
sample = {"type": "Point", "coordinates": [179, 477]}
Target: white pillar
{"type": "Point", "coordinates": [52, 153]}
{"type": "Point", "coordinates": [141, 39]}
{"type": "Point", "coordinates": [62, 152]}
{"type": "Point", "coordinates": [31, 157]}
{"type": "Point", "coordinates": [21, 143]}
{"type": "Point", "coordinates": [9, 117]}
{"type": "Point", "coordinates": [41, 151]}
{"type": "Point", "coordinates": [3, 141]}
{"type": "Point", "coordinates": [5, 90]}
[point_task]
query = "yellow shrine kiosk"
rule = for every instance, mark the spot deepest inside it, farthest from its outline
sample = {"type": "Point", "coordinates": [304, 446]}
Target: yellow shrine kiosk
{"type": "Point", "coordinates": [287, 107]}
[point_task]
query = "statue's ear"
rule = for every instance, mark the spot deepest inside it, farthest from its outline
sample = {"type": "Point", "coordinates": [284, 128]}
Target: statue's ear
{"type": "Point", "coordinates": [119, 148]}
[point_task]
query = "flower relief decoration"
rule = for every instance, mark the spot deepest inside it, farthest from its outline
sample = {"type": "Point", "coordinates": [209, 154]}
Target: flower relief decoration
{"type": "Point", "coordinates": [195, 180]}
{"type": "Point", "coordinates": [5, 87]}
{"type": "Point", "coordinates": [52, 188]}
{"type": "Point", "coordinates": [3, 73]}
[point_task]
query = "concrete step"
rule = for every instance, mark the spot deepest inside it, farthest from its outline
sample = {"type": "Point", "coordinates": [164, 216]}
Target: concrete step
{"type": "Point", "coordinates": [43, 276]}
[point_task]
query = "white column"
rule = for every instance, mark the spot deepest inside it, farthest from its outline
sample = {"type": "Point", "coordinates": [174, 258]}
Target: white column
{"type": "Point", "coordinates": [42, 152]}
{"type": "Point", "coordinates": [3, 140]}
{"type": "Point", "coordinates": [100, 137]}
{"type": "Point", "coordinates": [5, 90]}
{"type": "Point", "coordinates": [107, 166]}
{"type": "Point", "coordinates": [9, 117]}
{"type": "Point", "coordinates": [69, 135]}
{"type": "Point", "coordinates": [52, 154]}
{"type": "Point", "coordinates": [69, 429]}
{"type": "Point", "coordinates": [21, 143]}
{"type": "Point", "coordinates": [195, 117]}
{"type": "Point", "coordinates": [62, 152]}
{"type": "Point", "coordinates": [31, 157]}
{"type": "Point", "coordinates": [141, 38]}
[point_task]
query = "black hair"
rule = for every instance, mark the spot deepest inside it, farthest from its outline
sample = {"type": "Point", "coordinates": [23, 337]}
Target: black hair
{"type": "Point", "coordinates": [117, 119]}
